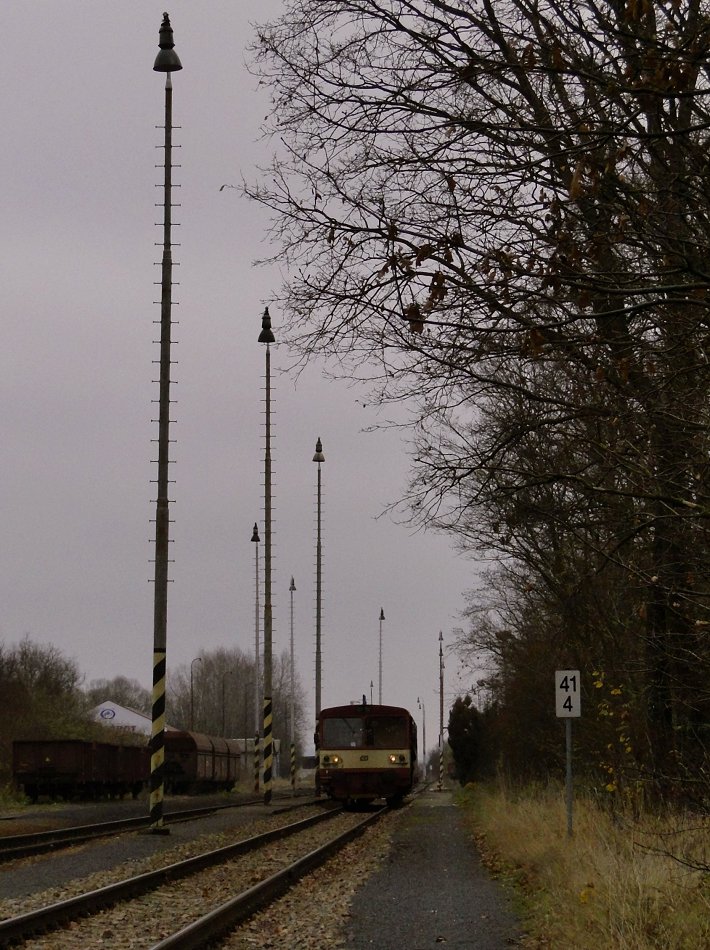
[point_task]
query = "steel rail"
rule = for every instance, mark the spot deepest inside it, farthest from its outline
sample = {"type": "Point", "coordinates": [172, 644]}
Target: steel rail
{"type": "Point", "coordinates": [41, 842]}
{"type": "Point", "coordinates": [51, 917]}
{"type": "Point", "coordinates": [218, 922]}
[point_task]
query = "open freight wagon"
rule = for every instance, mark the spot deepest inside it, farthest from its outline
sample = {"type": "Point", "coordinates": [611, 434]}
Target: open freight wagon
{"type": "Point", "coordinates": [76, 768]}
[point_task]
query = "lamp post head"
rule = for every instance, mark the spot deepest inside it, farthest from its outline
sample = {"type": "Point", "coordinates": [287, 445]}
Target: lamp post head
{"type": "Point", "coordinates": [255, 533]}
{"type": "Point", "coordinates": [382, 613]}
{"type": "Point", "coordinates": [319, 457]}
{"type": "Point", "coordinates": [266, 335]}
{"type": "Point", "coordinates": [293, 585]}
{"type": "Point", "coordinates": [167, 60]}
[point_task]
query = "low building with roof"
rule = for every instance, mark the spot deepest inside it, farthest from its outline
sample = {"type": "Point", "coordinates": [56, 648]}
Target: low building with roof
{"type": "Point", "coordinates": [123, 717]}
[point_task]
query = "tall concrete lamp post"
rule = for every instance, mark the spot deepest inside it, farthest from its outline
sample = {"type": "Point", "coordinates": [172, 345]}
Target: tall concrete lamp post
{"type": "Point", "coordinates": [441, 711]}
{"type": "Point", "coordinates": [423, 709]}
{"type": "Point", "coordinates": [382, 617]}
{"type": "Point", "coordinates": [319, 458]}
{"type": "Point", "coordinates": [167, 61]}
{"type": "Point", "coordinates": [292, 702]}
{"type": "Point", "coordinates": [266, 336]}
{"type": "Point", "coordinates": [257, 710]}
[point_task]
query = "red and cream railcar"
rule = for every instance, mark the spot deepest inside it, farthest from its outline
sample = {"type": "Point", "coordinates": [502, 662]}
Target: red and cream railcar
{"type": "Point", "coordinates": [366, 752]}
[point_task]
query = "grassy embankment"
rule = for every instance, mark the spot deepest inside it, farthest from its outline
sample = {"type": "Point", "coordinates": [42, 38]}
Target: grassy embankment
{"type": "Point", "coordinates": [619, 882]}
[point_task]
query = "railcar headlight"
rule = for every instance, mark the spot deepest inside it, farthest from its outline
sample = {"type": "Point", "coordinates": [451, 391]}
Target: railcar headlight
{"type": "Point", "coordinates": [337, 760]}
{"type": "Point", "coordinates": [392, 759]}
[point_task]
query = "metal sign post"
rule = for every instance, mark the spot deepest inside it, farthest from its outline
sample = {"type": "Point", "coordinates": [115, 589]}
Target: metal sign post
{"type": "Point", "coordinates": [568, 706]}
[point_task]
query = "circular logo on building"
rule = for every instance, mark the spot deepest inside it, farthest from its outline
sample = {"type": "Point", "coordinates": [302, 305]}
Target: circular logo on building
{"type": "Point", "coordinates": [108, 713]}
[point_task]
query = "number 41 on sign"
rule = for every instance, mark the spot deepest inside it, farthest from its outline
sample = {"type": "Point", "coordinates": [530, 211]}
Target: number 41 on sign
{"type": "Point", "coordinates": [567, 695]}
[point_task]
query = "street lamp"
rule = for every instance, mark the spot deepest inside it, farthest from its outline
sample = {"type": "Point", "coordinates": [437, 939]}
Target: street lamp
{"type": "Point", "coordinates": [167, 61]}
{"type": "Point", "coordinates": [319, 458]}
{"type": "Point", "coordinates": [198, 659]}
{"type": "Point", "coordinates": [421, 706]}
{"type": "Point", "coordinates": [292, 591]}
{"type": "Point", "coordinates": [224, 707]}
{"type": "Point", "coordinates": [382, 617]}
{"type": "Point", "coordinates": [266, 336]}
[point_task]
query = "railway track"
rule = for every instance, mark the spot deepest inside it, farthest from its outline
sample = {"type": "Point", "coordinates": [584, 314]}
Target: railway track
{"type": "Point", "coordinates": [181, 890]}
{"type": "Point", "coordinates": [210, 927]}
{"type": "Point", "coordinates": [13, 847]}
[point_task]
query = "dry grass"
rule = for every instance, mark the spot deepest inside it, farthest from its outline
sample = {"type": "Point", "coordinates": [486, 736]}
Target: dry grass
{"type": "Point", "coordinates": [617, 883]}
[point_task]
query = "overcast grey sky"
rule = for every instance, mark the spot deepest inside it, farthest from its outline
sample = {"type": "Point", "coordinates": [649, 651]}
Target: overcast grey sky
{"type": "Point", "coordinates": [80, 108]}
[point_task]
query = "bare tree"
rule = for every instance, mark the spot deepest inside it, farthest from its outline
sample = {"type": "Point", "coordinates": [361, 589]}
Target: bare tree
{"type": "Point", "coordinates": [222, 695]}
{"type": "Point", "coordinates": [498, 212]}
{"type": "Point", "coordinates": [121, 690]}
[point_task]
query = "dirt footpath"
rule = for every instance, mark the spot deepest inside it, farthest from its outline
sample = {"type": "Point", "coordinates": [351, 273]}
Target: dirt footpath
{"type": "Point", "coordinates": [433, 891]}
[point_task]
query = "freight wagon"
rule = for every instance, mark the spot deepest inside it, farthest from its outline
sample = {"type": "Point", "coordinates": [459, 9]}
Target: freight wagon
{"type": "Point", "coordinates": [66, 768]}
{"type": "Point", "coordinates": [198, 763]}
{"type": "Point", "coordinates": [70, 768]}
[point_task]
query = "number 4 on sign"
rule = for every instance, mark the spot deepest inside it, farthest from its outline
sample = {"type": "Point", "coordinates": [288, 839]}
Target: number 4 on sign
{"type": "Point", "coordinates": [567, 694]}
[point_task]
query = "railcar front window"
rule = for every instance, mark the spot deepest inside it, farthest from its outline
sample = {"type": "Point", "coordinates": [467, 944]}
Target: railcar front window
{"type": "Point", "coordinates": [388, 733]}
{"type": "Point", "coordinates": [342, 733]}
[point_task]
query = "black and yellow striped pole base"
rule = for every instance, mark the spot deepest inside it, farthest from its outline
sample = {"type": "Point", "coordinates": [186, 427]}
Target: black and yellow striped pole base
{"type": "Point", "coordinates": [257, 764]}
{"type": "Point", "coordinates": [293, 767]}
{"type": "Point", "coordinates": [157, 746]}
{"type": "Point", "coordinates": [268, 749]}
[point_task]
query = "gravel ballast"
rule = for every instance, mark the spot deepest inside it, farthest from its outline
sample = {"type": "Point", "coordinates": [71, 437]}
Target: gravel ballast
{"type": "Point", "coordinates": [412, 881]}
